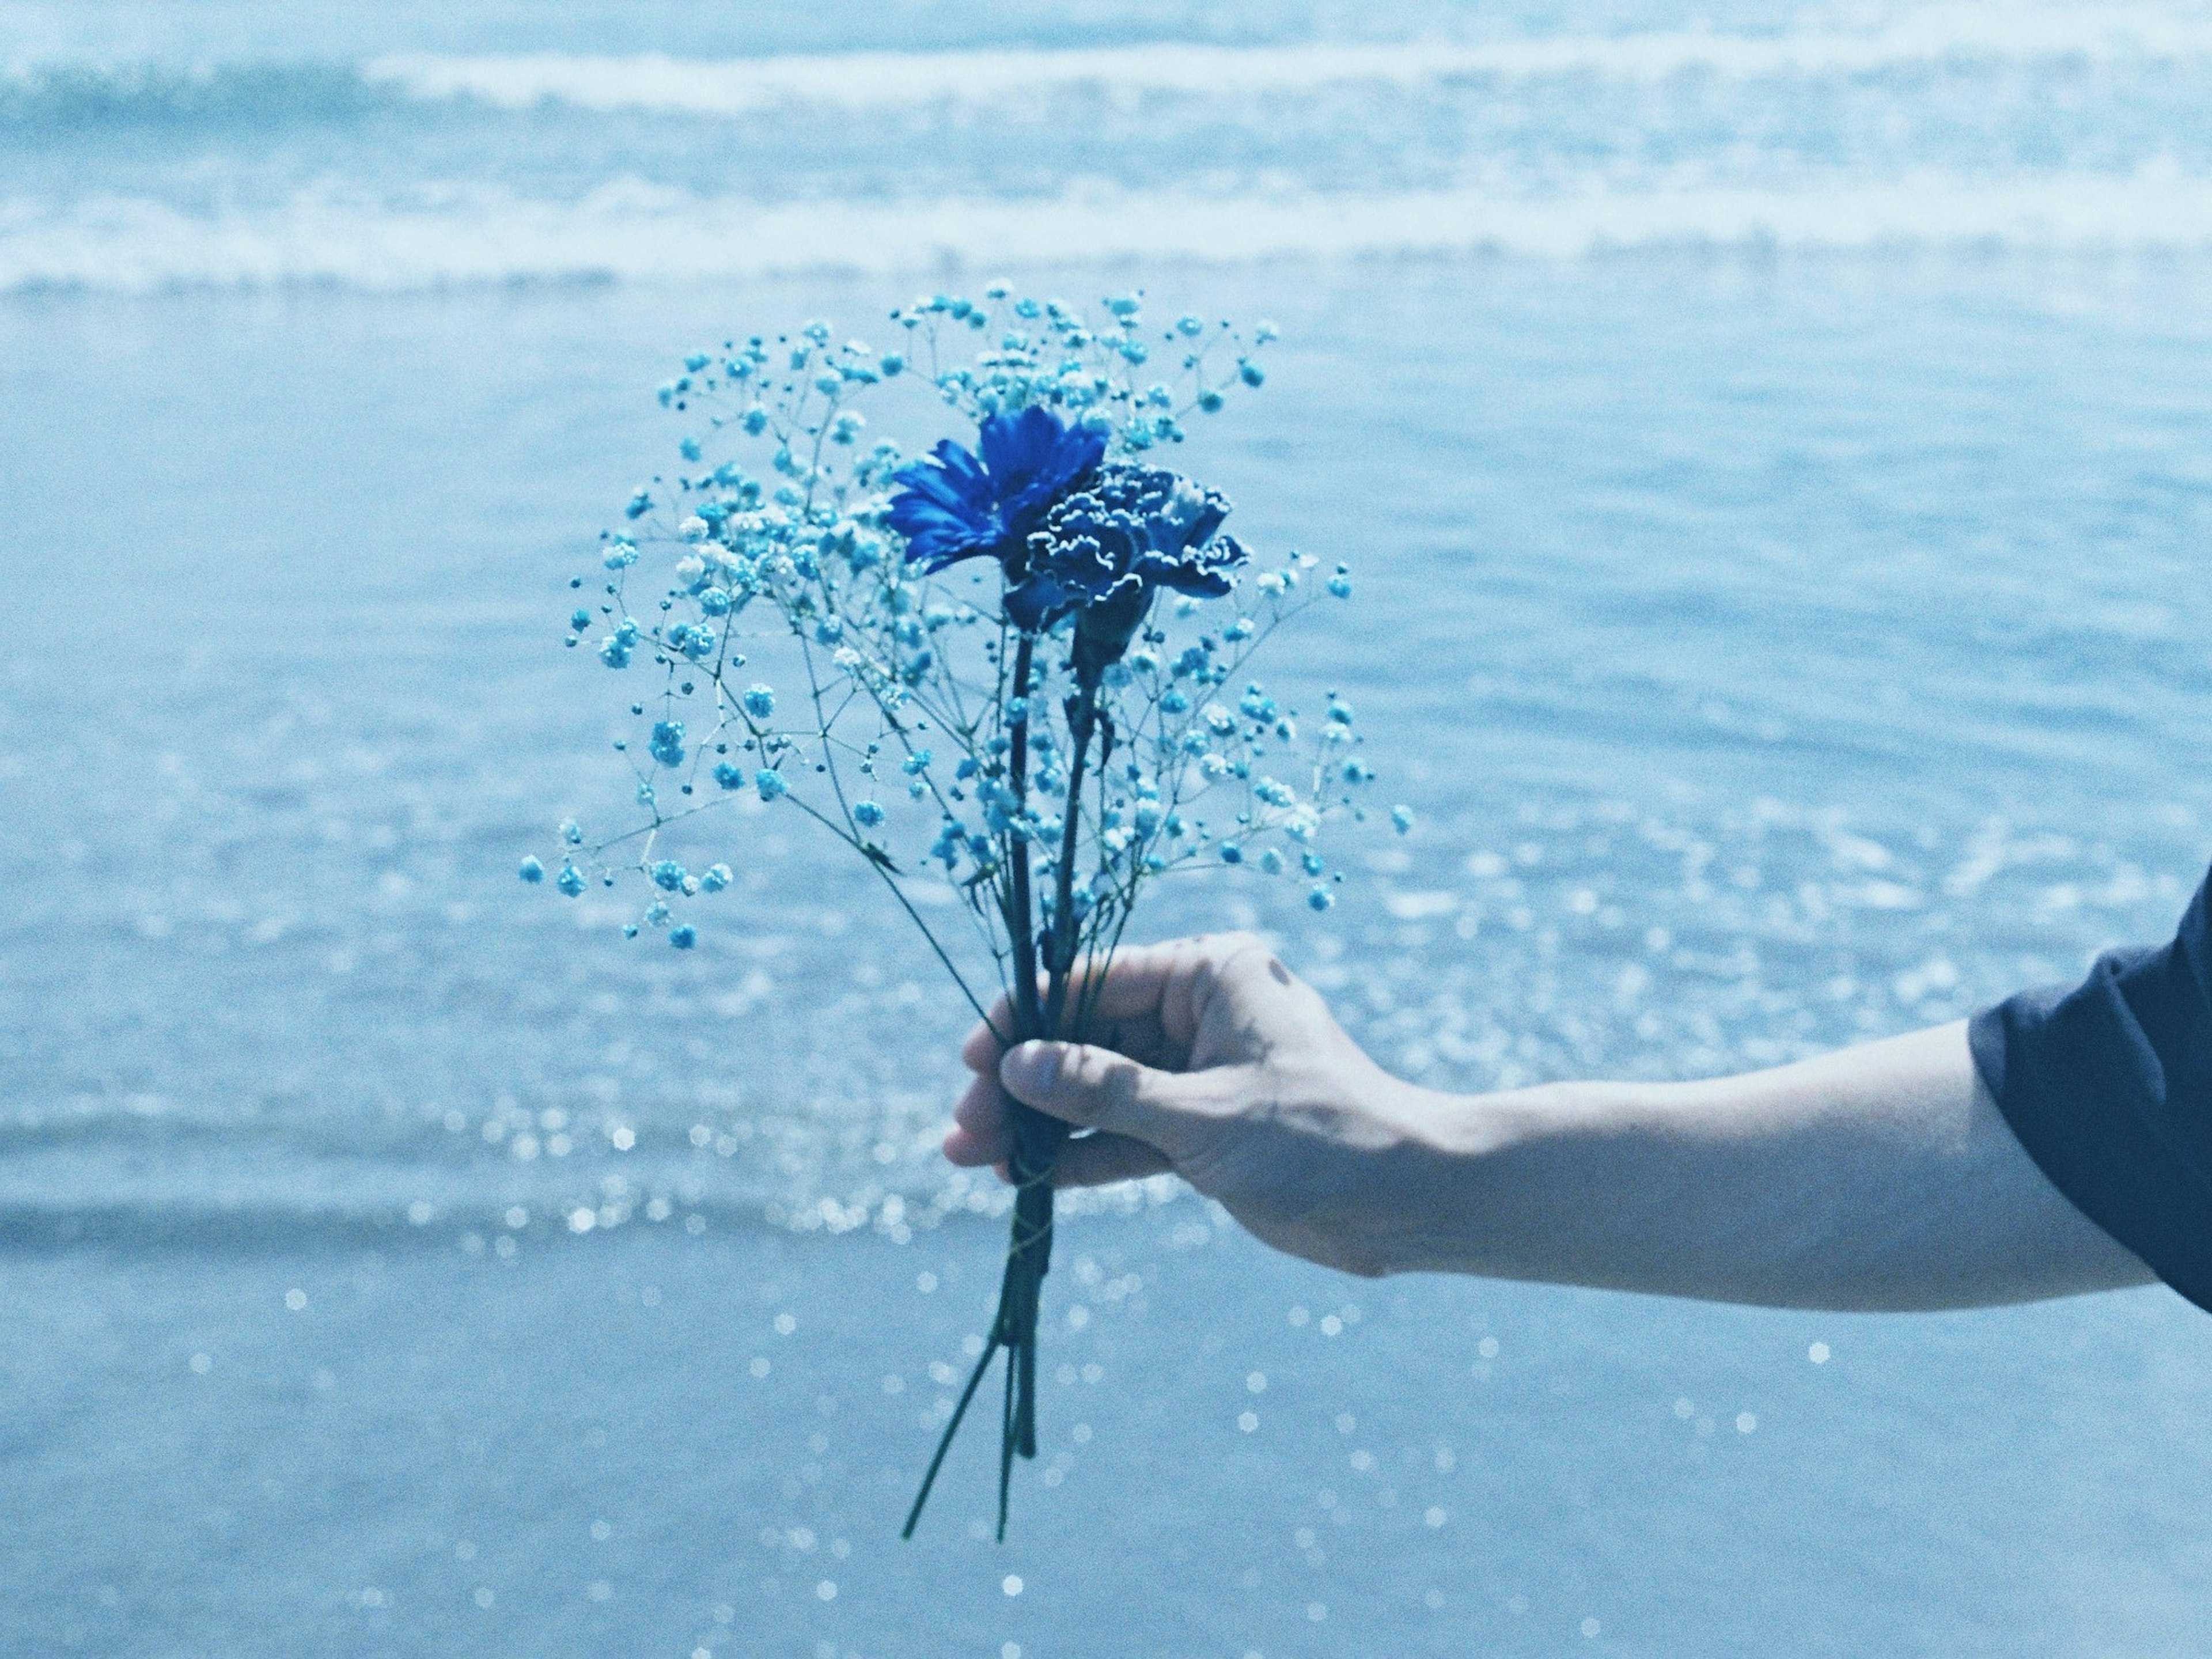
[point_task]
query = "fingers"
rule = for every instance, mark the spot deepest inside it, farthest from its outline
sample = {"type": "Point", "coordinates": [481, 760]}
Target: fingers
{"type": "Point", "coordinates": [1101, 1160]}
{"type": "Point", "coordinates": [982, 1137]}
{"type": "Point", "coordinates": [981, 1052]}
{"type": "Point", "coordinates": [981, 1132]}
{"type": "Point", "coordinates": [1137, 1001]}
{"type": "Point", "coordinates": [1097, 1088]}
{"type": "Point", "coordinates": [1092, 1160]}
{"type": "Point", "coordinates": [1139, 979]}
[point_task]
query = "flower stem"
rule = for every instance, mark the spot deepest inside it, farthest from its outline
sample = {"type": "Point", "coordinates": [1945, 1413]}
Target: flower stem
{"type": "Point", "coordinates": [1037, 1136]}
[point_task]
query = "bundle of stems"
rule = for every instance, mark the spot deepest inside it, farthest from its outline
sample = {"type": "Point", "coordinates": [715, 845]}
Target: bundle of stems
{"type": "Point", "coordinates": [1048, 1002]}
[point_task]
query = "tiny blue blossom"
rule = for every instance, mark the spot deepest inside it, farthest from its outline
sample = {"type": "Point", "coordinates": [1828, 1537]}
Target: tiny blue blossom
{"type": "Point", "coordinates": [531, 871]}
{"type": "Point", "coordinates": [714, 877]}
{"type": "Point", "coordinates": [683, 938]}
{"type": "Point", "coordinates": [759, 701]}
{"type": "Point", "coordinates": [668, 874]}
{"type": "Point", "coordinates": [770, 783]}
{"type": "Point", "coordinates": [570, 880]}
{"type": "Point", "coordinates": [867, 814]}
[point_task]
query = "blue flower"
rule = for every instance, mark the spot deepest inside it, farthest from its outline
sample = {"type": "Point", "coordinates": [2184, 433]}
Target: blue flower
{"type": "Point", "coordinates": [531, 871]}
{"type": "Point", "coordinates": [956, 506]}
{"type": "Point", "coordinates": [1105, 550]}
{"type": "Point", "coordinates": [570, 880]}
{"type": "Point", "coordinates": [667, 745]}
{"type": "Point", "coordinates": [694, 639]}
{"type": "Point", "coordinates": [668, 875]}
{"type": "Point", "coordinates": [770, 783]}
{"type": "Point", "coordinates": [615, 649]}
{"type": "Point", "coordinates": [683, 938]}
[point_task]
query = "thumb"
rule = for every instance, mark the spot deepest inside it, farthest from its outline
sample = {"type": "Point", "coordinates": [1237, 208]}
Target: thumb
{"type": "Point", "coordinates": [1097, 1088]}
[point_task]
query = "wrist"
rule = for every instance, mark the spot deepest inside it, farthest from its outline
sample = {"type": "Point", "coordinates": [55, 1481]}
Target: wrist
{"type": "Point", "coordinates": [1510, 1180]}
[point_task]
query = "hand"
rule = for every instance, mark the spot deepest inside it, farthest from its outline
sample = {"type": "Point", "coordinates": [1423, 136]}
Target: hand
{"type": "Point", "coordinates": [1213, 1061]}
{"type": "Point", "coordinates": [1878, 1176]}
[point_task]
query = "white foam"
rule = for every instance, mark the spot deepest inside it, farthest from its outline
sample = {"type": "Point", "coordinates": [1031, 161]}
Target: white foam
{"type": "Point", "coordinates": [638, 232]}
{"type": "Point", "coordinates": [879, 80]}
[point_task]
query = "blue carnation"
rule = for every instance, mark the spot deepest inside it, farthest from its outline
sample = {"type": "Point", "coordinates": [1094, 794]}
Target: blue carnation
{"type": "Point", "coordinates": [1105, 550]}
{"type": "Point", "coordinates": [955, 505]}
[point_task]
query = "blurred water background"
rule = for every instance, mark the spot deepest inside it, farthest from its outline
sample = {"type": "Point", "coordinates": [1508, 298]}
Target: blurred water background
{"type": "Point", "coordinates": [1772, 443]}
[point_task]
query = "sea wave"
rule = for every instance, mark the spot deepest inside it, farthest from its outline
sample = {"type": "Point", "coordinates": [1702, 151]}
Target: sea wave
{"type": "Point", "coordinates": [873, 81]}
{"type": "Point", "coordinates": [51, 101]}
{"type": "Point", "coordinates": [631, 231]}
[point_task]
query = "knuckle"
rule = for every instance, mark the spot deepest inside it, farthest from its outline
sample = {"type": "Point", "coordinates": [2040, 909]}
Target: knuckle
{"type": "Point", "coordinates": [1106, 1075]}
{"type": "Point", "coordinates": [1219, 948]}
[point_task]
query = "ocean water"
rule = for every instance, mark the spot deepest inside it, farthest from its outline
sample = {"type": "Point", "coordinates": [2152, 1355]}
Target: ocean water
{"type": "Point", "coordinates": [1773, 444]}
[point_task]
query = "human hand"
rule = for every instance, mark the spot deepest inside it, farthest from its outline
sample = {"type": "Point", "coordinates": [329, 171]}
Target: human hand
{"type": "Point", "coordinates": [1215, 1061]}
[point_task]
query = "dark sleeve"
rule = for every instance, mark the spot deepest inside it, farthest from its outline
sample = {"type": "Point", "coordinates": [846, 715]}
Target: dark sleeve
{"type": "Point", "coordinates": [2108, 1084]}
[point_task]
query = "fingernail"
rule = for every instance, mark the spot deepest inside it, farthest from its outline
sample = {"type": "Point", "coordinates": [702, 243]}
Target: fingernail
{"type": "Point", "coordinates": [1026, 1068]}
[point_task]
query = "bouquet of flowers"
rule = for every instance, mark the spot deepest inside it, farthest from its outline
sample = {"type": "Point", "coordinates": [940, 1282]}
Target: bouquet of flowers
{"type": "Point", "coordinates": [1014, 667]}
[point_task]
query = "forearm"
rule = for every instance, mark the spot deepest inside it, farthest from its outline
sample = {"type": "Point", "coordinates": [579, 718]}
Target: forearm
{"type": "Point", "coordinates": [1880, 1176]}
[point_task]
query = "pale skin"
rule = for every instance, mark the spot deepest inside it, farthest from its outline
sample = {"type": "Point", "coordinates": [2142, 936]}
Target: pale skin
{"type": "Point", "coordinates": [1877, 1177]}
